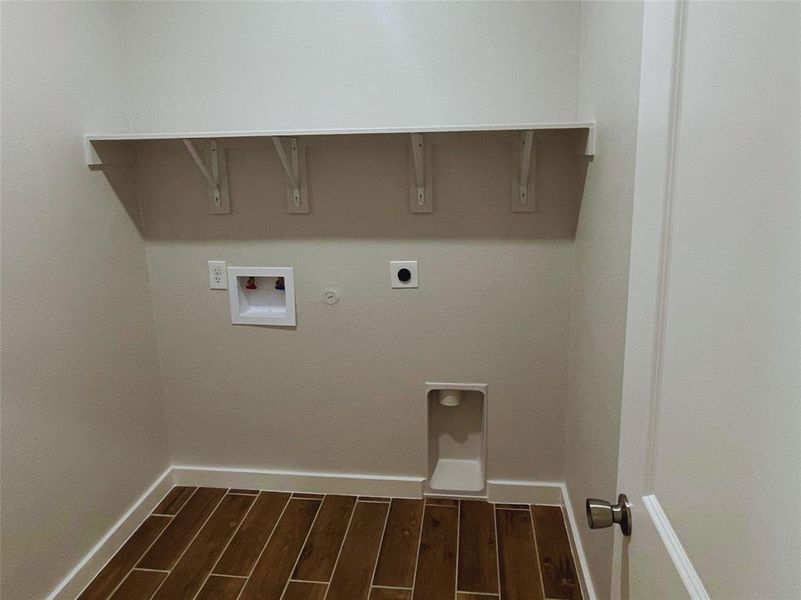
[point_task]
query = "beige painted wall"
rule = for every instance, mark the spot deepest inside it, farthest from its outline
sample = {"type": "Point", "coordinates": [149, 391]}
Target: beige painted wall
{"type": "Point", "coordinates": [611, 34]}
{"type": "Point", "coordinates": [344, 391]}
{"type": "Point", "coordinates": [217, 66]}
{"type": "Point", "coordinates": [82, 426]}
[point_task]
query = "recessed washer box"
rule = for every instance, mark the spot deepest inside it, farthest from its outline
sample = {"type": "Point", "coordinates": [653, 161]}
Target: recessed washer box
{"type": "Point", "coordinates": [262, 295]}
{"type": "Point", "coordinates": [457, 438]}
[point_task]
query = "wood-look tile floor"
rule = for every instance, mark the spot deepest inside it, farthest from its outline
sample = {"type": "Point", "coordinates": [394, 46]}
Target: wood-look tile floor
{"type": "Point", "coordinates": [218, 544]}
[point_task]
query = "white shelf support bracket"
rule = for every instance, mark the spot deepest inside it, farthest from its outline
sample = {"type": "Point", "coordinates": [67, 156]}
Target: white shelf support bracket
{"type": "Point", "coordinates": [523, 188]}
{"type": "Point", "coordinates": [216, 179]}
{"type": "Point", "coordinates": [294, 164]}
{"type": "Point", "coordinates": [420, 194]}
{"type": "Point", "coordinates": [418, 152]}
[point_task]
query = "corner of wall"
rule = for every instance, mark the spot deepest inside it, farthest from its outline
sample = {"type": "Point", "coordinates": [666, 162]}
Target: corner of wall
{"type": "Point", "coordinates": [81, 437]}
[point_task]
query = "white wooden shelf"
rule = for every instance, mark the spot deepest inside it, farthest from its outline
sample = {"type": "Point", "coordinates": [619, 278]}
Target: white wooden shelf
{"type": "Point", "coordinates": [293, 158]}
{"type": "Point", "coordinates": [92, 159]}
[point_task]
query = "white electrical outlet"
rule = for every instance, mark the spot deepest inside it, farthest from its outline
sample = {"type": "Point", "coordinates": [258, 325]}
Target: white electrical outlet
{"type": "Point", "coordinates": [218, 275]}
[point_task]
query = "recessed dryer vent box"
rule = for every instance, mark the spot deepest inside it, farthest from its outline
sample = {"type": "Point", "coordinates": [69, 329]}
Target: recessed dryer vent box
{"type": "Point", "coordinates": [262, 295]}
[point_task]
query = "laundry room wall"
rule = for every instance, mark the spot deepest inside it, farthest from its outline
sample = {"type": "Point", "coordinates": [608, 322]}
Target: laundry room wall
{"type": "Point", "coordinates": [83, 432]}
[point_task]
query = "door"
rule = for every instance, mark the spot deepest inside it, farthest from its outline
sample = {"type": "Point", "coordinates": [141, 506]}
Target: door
{"type": "Point", "coordinates": [710, 442]}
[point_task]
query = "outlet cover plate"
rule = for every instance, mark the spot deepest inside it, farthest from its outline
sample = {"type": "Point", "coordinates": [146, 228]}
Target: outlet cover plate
{"type": "Point", "coordinates": [396, 266]}
{"type": "Point", "coordinates": [218, 275]}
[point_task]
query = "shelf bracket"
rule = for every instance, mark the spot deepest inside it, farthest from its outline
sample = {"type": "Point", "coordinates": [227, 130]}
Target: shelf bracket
{"type": "Point", "coordinates": [522, 189]}
{"type": "Point", "coordinates": [216, 179]}
{"type": "Point", "coordinates": [420, 194]}
{"type": "Point", "coordinates": [418, 152]}
{"type": "Point", "coordinates": [294, 164]}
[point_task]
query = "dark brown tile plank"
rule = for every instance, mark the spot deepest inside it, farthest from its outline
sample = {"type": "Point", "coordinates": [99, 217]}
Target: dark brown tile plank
{"type": "Point", "coordinates": [558, 569]}
{"type": "Point", "coordinates": [243, 491]}
{"type": "Point", "coordinates": [247, 543]}
{"type": "Point", "coordinates": [174, 500]}
{"type": "Point", "coordinates": [125, 559]}
{"type": "Point", "coordinates": [302, 590]}
{"type": "Point", "coordinates": [442, 502]}
{"type": "Point", "coordinates": [478, 558]}
{"type": "Point", "coordinates": [517, 556]}
{"type": "Point", "coordinates": [374, 499]}
{"type": "Point", "coordinates": [436, 563]}
{"type": "Point", "coordinates": [354, 570]}
{"type": "Point", "coordinates": [316, 562]}
{"type": "Point", "coordinates": [218, 587]}
{"type": "Point", "coordinates": [308, 496]}
{"type": "Point", "coordinates": [276, 562]}
{"type": "Point", "coordinates": [168, 548]}
{"type": "Point", "coordinates": [398, 554]}
{"type": "Point", "coordinates": [390, 594]}
{"type": "Point", "coordinates": [189, 574]}
{"type": "Point", "coordinates": [139, 585]}
{"type": "Point", "coordinates": [513, 506]}
{"type": "Point", "coordinates": [469, 596]}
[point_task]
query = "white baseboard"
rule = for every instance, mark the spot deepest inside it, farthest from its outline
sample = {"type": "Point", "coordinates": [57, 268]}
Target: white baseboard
{"type": "Point", "coordinates": [300, 481]}
{"type": "Point", "coordinates": [524, 492]}
{"type": "Point", "coordinates": [587, 587]}
{"type": "Point", "coordinates": [498, 490]}
{"type": "Point", "coordinates": [91, 564]}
